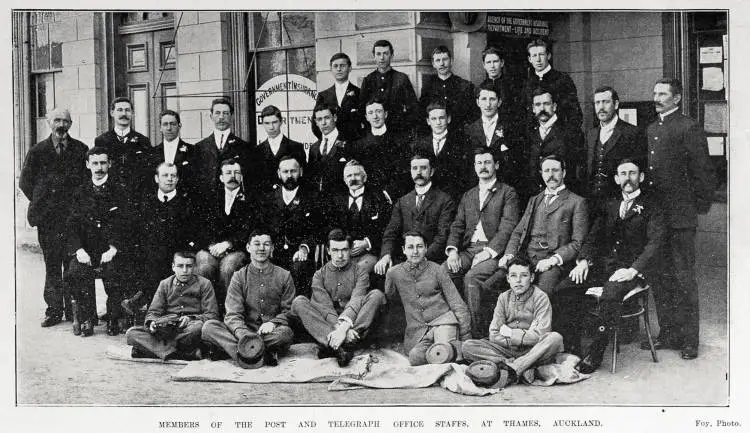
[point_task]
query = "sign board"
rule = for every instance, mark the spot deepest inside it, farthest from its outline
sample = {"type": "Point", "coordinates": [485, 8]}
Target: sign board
{"type": "Point", "coordinates": [516, 26]}
{"type": "Point", "coordinates": [295, 96]}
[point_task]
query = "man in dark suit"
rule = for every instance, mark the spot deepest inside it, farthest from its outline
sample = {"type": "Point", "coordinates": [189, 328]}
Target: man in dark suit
{"type": "Point", "coordinates": [426, 209]}
{"type": "Point", "coordinates": [53, 170]}
{"type": "Point", "coordinates": [551, 135]}
{"type": "Point", "coordinates": [485, 219]}
{"type": "Point", "coordinates": [128, 150]}
{"type": "Point", "coordinates": [559, 83]}
{"type": "Point", "coordinates": [168, 223]}
{"type": "Point", "coordinates": [345, 97]}
{"type": "Point", "coordinates": [96, 230]}
{"type": "Point", "coordinates": [384, 153]}
{"type": "Point", "coordinates": [618, 254]}
{"type": "Point", "coordinates": [494, 131]}
{"type": "Point", "coordinates": [230, 218]}
{"type": "Point", "coordinates": [448, 148]}
{"type": "Point", "coordinates": [295, 213]}
{"type": "Point", "coordinates": [680, 172]}
{"type": "Point", "coordinates": [362, 212]}
{"type": "Point", "coordinates": [493, 63]}
{"type": "Point", "coordinates": [453, 91]}
{"type": "Point", "coordinates": [175, 151]}
{"type": "Point", "coordinates": [551, 230]}
{"type": "Point", "coordinates": [610, 141]}
{"type": "Point", "coordinates": [270, 151]}
{"type": "Point", "coordinates": [328, 155]}
{"type": "Point", "coordinates": [220, 145]}
{"type": "Point", "coordinates": [394, 87]}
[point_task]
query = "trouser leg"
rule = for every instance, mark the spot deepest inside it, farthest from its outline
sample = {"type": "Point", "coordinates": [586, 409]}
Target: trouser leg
{"type": "Point", "coordinates": [436, 334]}
{"type": "Point", "coordinates": [365, 261]}
{"type": "Point", "coordinates": [369, 307]}
{"type": "Point", "coordinates": [569, 310]}
{"type": "Point", "coordinates": [480, 299]}
{"type": "Point", "coordinates": [80, 281]}
{"type": "Point", "coordinates": [52, 243]}
{"type": "Point", "coordinates": [228, 265]}
{"type": "Point", "coordinates": [664, 291]}
{"type": "Point", "coordinates": [497, 282]}
{"type": "Point", "coordinates": [543, 352]}
{"type": "Point", "coordinates": [484, 349]}
{"type": "Point", "coordinates": [217, 333]}
{"type": "Point", "coordinates": [302, 273]}
{"type": "Point", "coordinates": [686, 291]}
{"type": "Point", "coordinates": [317, 319]}
{"type": "Point", "coordinates": [278, 340]}
{"type": "Point", "coordinates": [549, 279]}
{"type": "Point", "coordinates": [189, 338]}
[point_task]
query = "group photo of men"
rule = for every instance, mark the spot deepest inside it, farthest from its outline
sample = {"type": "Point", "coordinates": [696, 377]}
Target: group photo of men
{"type": "Point", "coordinates": [465, 225]}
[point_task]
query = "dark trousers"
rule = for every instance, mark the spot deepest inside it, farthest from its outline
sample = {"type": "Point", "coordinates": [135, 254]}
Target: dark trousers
{"type": "Point", "coordinates": [570, 306]}
{"type": "Point", "coordinates": [80, 280]}
{"type": "Point", "coordinates": [302, 272]}
{"type": "Point", "coordinates": [186, 341]}
{"type": "Point", "coordinates": [676, 291]}
{"type": "Point", "coordinates": [52, 241]}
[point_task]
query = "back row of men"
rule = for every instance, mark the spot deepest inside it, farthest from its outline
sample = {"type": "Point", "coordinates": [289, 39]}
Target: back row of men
{"type": "Point", "coordinates": [312, 199]}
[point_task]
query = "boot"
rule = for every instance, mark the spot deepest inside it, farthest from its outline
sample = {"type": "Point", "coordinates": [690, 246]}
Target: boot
{"type": "Point", "coordinates": [593, 358]}
{"type": "Point", "coordinates": [113, 327]}
{"type": "Point", "coordinates": [130, 305]}
{"type": "Point", "coordinates": [76, 317]}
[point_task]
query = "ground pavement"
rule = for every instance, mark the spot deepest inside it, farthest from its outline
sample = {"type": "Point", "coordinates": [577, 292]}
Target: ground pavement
{"type": "Point", "coordinates": [55, 367]}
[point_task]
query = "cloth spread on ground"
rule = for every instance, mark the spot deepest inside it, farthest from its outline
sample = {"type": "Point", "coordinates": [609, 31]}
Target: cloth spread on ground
{"type": "Point", "coordinates": [122, 353]}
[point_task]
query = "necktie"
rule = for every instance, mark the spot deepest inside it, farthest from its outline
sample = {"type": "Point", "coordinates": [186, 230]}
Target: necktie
{"type": "Point", "coordinates": [325, 146]}
{"type": "Point", "coordinates": [58, 148]}
{"type": "Point", "coordinates": [221, 141]}
{"type": "Point", "coordinates": [164, 198]}
{"type": "Point", "coordinates": [624, 206]}
{"type": "Point", "coordinates": [548, 198]}
{"type": "Point", "coordinates": [436, 143]}
{"type": "Point", "coordinates": [420, 201]}
{"type": "Point", "coordinates": [353, 208]}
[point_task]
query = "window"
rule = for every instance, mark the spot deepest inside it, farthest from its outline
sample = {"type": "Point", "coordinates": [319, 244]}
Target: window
{"type": "Point", "coordinates": [46, 54]}
{"type": "Point", "coordinates": [284, 69]}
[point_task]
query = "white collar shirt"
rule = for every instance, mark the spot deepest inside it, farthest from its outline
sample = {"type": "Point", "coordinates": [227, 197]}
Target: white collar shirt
{"type": "Point", "coordinates": [379, 131]}
{"type": "Point", "coordinates": [553, 194]}
{"type": "Point", "coordinates": [438, 141]}
{"type": "Point", "coordinates": [275, 143]}
{"type": "Point", "coordinates": [543, 71]}
{"type": "Point", "coordinates": [229, 197]}
{"type": "Point", "coordinates": [605, 131]}
{"type": "Point", "coordinates": [667, 113]}
{"type": "Point", "coordinates": [170, 149]}
{"type": "Point", "coordinates": [356, 197]}
{"type": "Point", "coordinates": [101, 181]}
{"type": "Point", "coordinates": [220, 138]}
{"type": "Point", "coordinates": [546, 126]}
{"type": "Point", "coordinates": [340, 91]}
{"type": "Point", "coordinates": [169, 195]}
{"type": "Point", "coordinates": [288, 195]}
{"type": "Point", "coordinates": [327, 141]}
{"type": "Point", "coordinates": [489, 126]}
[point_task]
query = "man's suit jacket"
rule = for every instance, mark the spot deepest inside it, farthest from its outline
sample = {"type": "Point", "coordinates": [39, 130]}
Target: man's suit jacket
{"type": "Point", "coordinates": [326, 172]}
{"type": "Point", "coordinates": [396, 89]}
{"type": "Point", "coordinates": [49, 180]}
{"type": "Point", "coordinates": [453, 166]}
{"type": "Point", "coordinates": [130, 161]}
{"type": "Point", "coordinates": [186, 162]}
{"type": "Point", "coordinates": [560, 140]}
{"type": "Point", "coordinates": [615, 243]}
{"type": "Point", "coordinates": [566, 95]}
{"type": "Point", "coordinates": [234, 227]}
{"type": "Point", "coordinates": [566, 224]}
{"type": "Point", "coordinates": [167, 227]}
{"type": "Point", "coordinates": [100, 217]}
{"type": "Point", "coordinates": [350, 119]}
{"type": "Point", "coordinates": [386, 160]}
{"type": "Point", "coordinates": [267, 164]}
{"type": "Point", "coordinates": [679, 169]}
{"type": "Point", "coordinates": [455, 92]}
{"type": "Point", "coordinates": [505, 145]}
{"type": "Point", "coordinates": [627, 141]}
{"type": "Point", "coordinates": [433, 220]}
{"type": "Point", "coordinates": [499, 215]}
{"type": "Point", "coordinates": [369, 222]}
{"type": "Point", "coordinates": [209, 162]}
{"type": "Point", "coordinates": [301, 222]}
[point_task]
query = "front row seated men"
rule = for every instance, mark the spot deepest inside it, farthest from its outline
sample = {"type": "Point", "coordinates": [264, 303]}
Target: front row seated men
{"type": "Point", "coordinates": [187, 298]}
{"type": "Point", "coordinates": [618, 252]}
{"type": "Point", "coordinates": [435, 312]}
{"type": "Point", "coordinates": [227, 225]}
{"type": "Point", "coordinates": [550, 232]}
{"type": "Point", "coordinates": [520, 332]}
{"type": "Point", "coordinates": [258, 304]}
{"type": "Point", "coordinates": [485, 219]}
{"type": "Point", "coordinates": [95, 230]}
{"type": "Point", "coordinates": [341, 310]}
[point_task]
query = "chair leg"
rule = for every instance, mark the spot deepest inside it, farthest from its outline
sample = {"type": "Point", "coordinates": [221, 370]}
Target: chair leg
{"type": "Point", "coordinates": [615, 343]}
{"type": "Point", "coordinates": [647, 325]}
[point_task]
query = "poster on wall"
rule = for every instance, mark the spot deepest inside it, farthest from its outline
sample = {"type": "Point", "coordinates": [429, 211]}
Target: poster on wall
{"type": "Point", "coordinates": [295, 96]}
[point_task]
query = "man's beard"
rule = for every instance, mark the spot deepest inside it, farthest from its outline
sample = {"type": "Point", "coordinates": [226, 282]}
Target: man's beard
{"type": "Point", "coordinates": [290, 183]}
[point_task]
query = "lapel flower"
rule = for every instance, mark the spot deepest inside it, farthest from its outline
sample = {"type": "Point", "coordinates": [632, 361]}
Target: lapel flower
{"type": "Point", "coordinates": [494, 189]}
{"type": "Point", "coordinates": [240, 196]}
{"type": "Point", "coordinates": [296, 202]}
{"type": "Point", "coordinates": [125, 140]}
{"type": "Point", "coordinates": [183, 148]}
{"type": "Point", "coordinates": [350, 93]}
{"type": "Point", "coordinates": [500, 133]}
{"type": "Point", "coordinates": [135, 139]}
{"type": "Point", "coordinates": [230, 141]}
{"type": "Point", "coordinates": [637, 208]}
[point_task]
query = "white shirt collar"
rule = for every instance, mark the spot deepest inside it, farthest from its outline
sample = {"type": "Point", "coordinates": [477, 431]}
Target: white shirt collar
{"type": "Point", "coordinates": [122, 132]}
{"type": "Point", "coordinates": [379, 131]}
{"type": "Point", "coordinates": [224, 134]}
{"type": "Point", "coordinates": [231, 193]}
{"type": "Point", "coordinates": [100, 182]}
{"type": "Point", "coordinates": [548, 191]}
{"type": "Point", "coordinates": [439, 137]}
{"type": "Point", "coordinates": [357, 194]}
{"type": "Point", "coordinates": [667, 113]}
{"type": "Point", "coordinates": [169, 195]}
{"type": "Point", "coordinates": [422, 190]}
{"type": "Point", "coordinates": [332, 136]}
{"type": "Point", "coordinates": [631, 196]}
{"type": "Point", "coordinates": [544, 71]}
{"type": "Point", "coordinates": [170, 149]}
{"type": "Point", "coordinates": [287, 195]}
{"type": "Point", "coordinates": [548, 124]}
{"type": "Point", "coordinates": [609, 126]}
{"type": "Point", "coordinates": [488, 186]}
{"type": "Point", "coordinates": [275, 143]}
{"type": "Point", "coordinates": [492, 120]}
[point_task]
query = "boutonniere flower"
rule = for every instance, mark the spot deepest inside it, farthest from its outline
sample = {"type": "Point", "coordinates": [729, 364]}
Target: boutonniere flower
{"type": "Point", "coordinates": [240, 197]}
{"type": "Point", "coordinates": [350, 93]}
{"type": "Point", "coordinates": [295, 201]}
{"type": "Point", "coordinates": [183, 148]}
{"type": "Point", "coordinates": [500, 133]}
{"type": "Point", "coordinates": [125, 140]}
{"type": "Point", "coordinates": [231, 141]}
{"type": "Point", "coordinates": [637, 208]}
{"type": "Point", "coordinates": [135, 139]}
{"type": "Point", "coordinates": [494, 189]}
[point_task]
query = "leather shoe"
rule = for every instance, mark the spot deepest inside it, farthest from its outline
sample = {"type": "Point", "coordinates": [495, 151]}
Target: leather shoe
{"type": "Point", "coordinates": [689, 351]}
{"type": "Point", "coordinates": [325, 352]}
{"type": "Point", "coordinates": [87, 329]}
{"type": "Point", "coordinates": [662, 343]}
{"type": "Point", "coordinates": [271, 359]}
{"type": "Point", "coordinates": [50, 321]}
{"type": "Point", "coordinates": [343, 356]}
{"type": "Point", "coordinates": [588, 365]}
{"type": "Point", "coordinates": [113, 328]}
